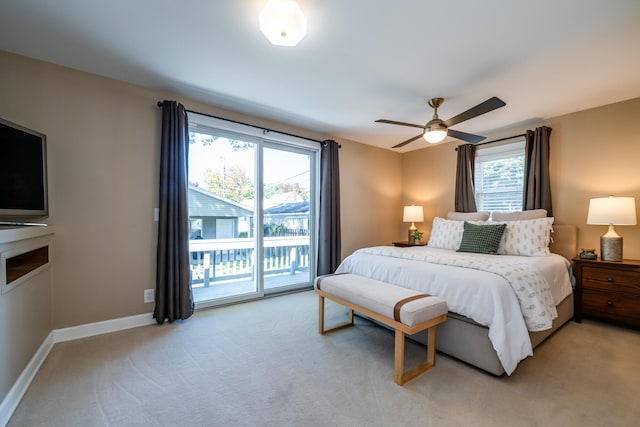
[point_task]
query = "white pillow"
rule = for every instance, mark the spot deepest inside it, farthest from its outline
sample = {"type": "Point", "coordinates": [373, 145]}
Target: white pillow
{"type": "Point", "coordinates": [447, 234]}
{"type": "Point", "coordinates": [527, 237]}
{"type": "Point", "coordinates": [469, 216]}
{"type": "Point", "coordinates": [519, 216]}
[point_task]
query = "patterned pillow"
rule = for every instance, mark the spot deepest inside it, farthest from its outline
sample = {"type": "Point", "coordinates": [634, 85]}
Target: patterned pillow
{"type": "Point", "coordinates": [481, 239]}
{"type": "Point", "coordinates": [527, 237]}
{"type": "Point", "coordinates": [446, 234]}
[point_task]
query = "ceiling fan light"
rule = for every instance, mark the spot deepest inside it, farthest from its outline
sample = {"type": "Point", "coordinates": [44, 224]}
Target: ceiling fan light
{"type": "Point", "coordinates": [435, 136]}
{"type": "Point", "coordinates": [283, 23]}
{"type": "Point", "coordinates": [435, 131]}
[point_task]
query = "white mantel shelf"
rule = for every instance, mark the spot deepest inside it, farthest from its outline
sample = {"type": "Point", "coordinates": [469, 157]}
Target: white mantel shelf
{"type": "Point", "coordinates": [12, 234]}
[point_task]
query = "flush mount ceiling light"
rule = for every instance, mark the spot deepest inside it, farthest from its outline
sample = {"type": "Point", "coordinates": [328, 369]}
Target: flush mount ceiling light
{"type": "Point", "coordinates": [283, 23]}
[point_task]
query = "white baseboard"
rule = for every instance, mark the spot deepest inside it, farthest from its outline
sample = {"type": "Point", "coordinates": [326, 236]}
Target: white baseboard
{"type": "Point", "coordinates": [12, 399]}
{"type": "Point", "coordinates": [104, 327]}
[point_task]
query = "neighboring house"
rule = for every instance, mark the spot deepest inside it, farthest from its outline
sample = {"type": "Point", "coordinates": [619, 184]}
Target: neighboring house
{"type": "Point", "coordinates": [215, 217]}
{"type": "Point", "coordinates": [282, 198]}
{"type": "Point", "coordinates": [292, 216]}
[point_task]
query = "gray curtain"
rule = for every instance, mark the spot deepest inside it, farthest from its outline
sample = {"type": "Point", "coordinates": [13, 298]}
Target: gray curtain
{"type": "Point", "coordinates": [465, 197]}
{"type": "Point", "coordinates": [329, 215]}
{"type": "Point", "coordinates": [174, 299]}
{"type": "Point", "coordinates": [537, 185]}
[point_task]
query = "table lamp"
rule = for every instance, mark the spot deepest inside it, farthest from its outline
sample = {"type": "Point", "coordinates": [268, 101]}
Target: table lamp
{"type": "Point", "coordinates": [412, 214]}
{"type": "Point", "coordinates": [611, 211]}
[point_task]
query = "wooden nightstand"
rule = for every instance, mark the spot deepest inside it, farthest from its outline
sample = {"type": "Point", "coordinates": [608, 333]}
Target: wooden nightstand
{"type": "Point", "coordinates": [406, 244]}
{"type": "Point", "coordinates": [607, 291]}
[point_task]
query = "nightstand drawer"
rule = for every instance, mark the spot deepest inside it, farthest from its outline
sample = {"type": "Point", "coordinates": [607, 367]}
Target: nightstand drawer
{"type": "Point", "coordinates": [609, 279]}
{"type": "Point", "coordinates": [623, 308]}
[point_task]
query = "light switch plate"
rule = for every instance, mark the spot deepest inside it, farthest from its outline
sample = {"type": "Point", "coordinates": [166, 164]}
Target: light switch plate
{"type": "Point", "coordinates": [149, 295]}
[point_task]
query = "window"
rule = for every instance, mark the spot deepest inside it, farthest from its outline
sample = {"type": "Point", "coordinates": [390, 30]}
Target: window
{"type": "Point", "coordinates": [252, 211]}
{"type": "Point", "coordinates": [499, 177]}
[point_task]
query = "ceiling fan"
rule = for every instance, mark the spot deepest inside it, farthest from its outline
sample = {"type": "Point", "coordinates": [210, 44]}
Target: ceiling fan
{"type": "Point", "coordinates": [437, 129]}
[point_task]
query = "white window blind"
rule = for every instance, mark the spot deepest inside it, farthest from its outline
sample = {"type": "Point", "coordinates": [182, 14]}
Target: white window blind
{"type": "Point", "coordinates": [499, 177]}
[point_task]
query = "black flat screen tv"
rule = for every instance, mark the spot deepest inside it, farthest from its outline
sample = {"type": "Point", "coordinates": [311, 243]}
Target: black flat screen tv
{"type": "Point", "coordinates": [23, 173]}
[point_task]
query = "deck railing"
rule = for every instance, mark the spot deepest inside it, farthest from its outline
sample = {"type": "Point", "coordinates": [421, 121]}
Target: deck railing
{"type": "Point", "coordinates": [227, 259]}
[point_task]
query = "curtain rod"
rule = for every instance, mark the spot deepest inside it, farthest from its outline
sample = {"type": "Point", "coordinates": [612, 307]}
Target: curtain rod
{"type": "Point", "coordinates": [498, 140]}
{"type": "Point", "coordinates": [253, 126]}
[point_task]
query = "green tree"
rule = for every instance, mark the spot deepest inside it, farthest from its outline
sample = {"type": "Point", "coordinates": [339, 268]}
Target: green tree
{"type": "Point", "coordinates": [232, 183]}
{"type": "Point", "coordinates": [206, 140]}
{"type": "Point", "coordinates": [271, 190]}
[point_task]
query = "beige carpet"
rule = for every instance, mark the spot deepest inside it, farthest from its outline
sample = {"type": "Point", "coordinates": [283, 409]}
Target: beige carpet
{"type": "Point", "coordinates": [264, 364]}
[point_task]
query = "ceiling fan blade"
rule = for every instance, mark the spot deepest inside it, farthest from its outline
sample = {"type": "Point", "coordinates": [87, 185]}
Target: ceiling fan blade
{"type": "Point", "coordinates": [393, 122]}
{"type": "Point", "coordinates": [482, 108]}
{"type": "Point", "coordinates": [402, 144]}
{"type": "Point", "coordinates": [468, 137]}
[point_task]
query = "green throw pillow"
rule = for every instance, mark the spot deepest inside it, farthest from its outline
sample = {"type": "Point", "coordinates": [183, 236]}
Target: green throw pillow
{"type": "Point", "coordinates": [481, 239]}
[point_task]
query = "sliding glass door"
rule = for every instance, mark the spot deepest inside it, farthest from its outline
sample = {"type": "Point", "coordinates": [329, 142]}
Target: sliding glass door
{"type": "Point", "coordinates": [251, 213]}
{"type": "Point", "coordinates": [286, 217]}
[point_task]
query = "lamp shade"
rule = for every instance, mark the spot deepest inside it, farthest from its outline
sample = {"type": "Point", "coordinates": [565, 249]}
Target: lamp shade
{"type": "Point", "coordinates": [283, 23]}
{"type": "Point", "coordinates": [413, 214]}
{"type": "Point", "coordinates": [612, 210]}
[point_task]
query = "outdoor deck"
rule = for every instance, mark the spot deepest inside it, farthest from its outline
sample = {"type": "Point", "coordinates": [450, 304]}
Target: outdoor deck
{"type": "Point", "coordinates": [223, 268]}
{"type": "Point", "coordinates": [229, 288]}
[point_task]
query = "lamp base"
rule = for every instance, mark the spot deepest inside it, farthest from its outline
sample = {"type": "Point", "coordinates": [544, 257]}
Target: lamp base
{"type": "Point", "coordinates": [411, 229]}
{"type": "Point", "coordinates": [611, 246]}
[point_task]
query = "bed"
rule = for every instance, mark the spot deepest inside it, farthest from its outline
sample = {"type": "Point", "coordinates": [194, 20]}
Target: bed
{"type": "Point", "coordinates": [496, 317]}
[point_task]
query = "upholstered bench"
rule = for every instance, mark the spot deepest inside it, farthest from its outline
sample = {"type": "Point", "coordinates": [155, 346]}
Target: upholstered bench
{"type": "Point", "coordinates": [405, 310]}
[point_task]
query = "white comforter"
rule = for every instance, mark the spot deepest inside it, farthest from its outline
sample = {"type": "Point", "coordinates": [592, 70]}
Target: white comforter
{"type": "Point", "coordinates": [484, 296]}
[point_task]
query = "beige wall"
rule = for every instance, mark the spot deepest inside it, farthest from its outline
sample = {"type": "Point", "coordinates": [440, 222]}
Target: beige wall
{"type": "Point", "coordinates": [102, 157]}
{"type": "Point", "coordinates": [594, 153]}
{"type": "Point", "coordinates": [370, 196]}
{"type": "Point", "coordinates": [428, 177]}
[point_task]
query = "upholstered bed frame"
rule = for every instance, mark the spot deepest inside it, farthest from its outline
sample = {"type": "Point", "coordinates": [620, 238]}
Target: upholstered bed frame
{"type": "Point", "coordinates": [468, 341]}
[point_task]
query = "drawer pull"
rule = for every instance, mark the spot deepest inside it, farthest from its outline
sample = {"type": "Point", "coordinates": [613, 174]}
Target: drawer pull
{"type": "Point", "coordinates": [610, 303]}
{"type": "Point", "coordinates": [609, 279]}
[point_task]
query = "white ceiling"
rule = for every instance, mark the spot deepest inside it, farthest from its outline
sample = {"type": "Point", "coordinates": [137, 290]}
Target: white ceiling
{"type": "Point", "coordinates": [361, 60]}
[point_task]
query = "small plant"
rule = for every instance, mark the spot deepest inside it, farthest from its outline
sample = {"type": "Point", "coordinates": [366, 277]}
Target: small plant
{"type": "Point", "coordinates": [416, 235]}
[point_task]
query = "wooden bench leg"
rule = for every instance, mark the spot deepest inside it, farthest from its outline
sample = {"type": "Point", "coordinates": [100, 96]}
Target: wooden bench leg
{"type": "Point", "coordinates": [320, 314]}
{"type": "Point", "coordinates": [398, 358]}
{"type": "Point", "coordinates": [431, 346]}
{"type": "Point", "coordinates": [321, 329]}
{"type": "Point", "coordinates": [400, 376]}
